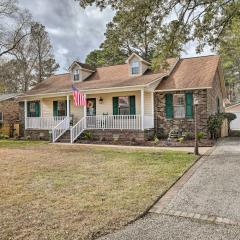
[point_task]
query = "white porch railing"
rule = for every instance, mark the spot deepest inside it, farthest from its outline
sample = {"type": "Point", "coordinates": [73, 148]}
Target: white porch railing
{"type": "Point", "coordinates": [113, 122]}
{"type": "Point", "coordinates": [77, 129]}
{"type": "Point", "coordinates": [128, 122]}
{"type": "Point", "coordinates": [60, 125]}
{"type": "Point", "coordinates": [45, 123]}
{"type": "Point", "coordinates": [60, 129]}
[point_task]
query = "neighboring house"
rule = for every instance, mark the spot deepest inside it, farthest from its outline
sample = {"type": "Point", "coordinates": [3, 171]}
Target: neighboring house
{"type": "Point", "coordinates": [129, 97]}
{"type": "Point", "coordinates": [235, 124]}
{"type": "Point", "coordinates": [9, 115]}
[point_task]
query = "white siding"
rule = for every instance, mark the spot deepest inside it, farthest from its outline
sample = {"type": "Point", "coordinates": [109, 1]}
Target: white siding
{"type": "Point", "coordinates": [148, 103]}
{"type": "Point", "coordinates": [106, 107]}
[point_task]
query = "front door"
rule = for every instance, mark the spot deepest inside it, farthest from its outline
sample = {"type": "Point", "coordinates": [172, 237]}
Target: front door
{"type": "Point", "coordinates": [91, 107]}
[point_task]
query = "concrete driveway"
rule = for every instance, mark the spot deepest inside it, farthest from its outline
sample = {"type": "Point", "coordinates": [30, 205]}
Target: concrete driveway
{"type": "Point", "coordinates": [204, 204]}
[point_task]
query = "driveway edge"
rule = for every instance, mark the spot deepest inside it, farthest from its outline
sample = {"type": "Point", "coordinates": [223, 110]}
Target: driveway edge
{"type": "Point", "coordinates": [168, 194]}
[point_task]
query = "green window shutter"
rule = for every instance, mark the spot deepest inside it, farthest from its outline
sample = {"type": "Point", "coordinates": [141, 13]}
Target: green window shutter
{"type": "Point", "coordinates": [115, 105]}
{"type": "Point", "coordinates": [189, 105]}
{"type": "Point", "coordinates": [28, 109]}
{"type": "Point", "coordinates": [65, 107]}
{"type": "Point", "coordinates": [55, 108]}
{"type": "Point", "coordinates": [37, 109]}
{"type": "Point", "coordinates": [169, 106]}
{"type": "Point", "coordinates": [132, 105]}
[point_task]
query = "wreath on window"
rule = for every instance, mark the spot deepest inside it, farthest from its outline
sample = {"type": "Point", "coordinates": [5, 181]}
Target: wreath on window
{"type": "Point", "coordinates": [90, 104]}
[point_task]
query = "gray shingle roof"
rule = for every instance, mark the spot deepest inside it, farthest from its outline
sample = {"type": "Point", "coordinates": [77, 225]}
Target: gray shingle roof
{"type": "Point", "coordinates": [4, 97]}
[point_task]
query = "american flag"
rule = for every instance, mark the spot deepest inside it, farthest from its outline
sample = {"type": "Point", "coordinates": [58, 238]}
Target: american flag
{"type": "Point", "coordinates": [79, 98]}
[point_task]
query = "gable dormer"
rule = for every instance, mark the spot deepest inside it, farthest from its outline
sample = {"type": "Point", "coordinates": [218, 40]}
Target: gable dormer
{"type": "Point", "coordinates": [137, 65]}
{"type": "Point", "coordinates": [80, 71]}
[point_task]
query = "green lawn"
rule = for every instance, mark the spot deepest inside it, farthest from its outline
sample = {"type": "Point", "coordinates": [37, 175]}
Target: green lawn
{"type": "Point", "coordinates": [79, 192]}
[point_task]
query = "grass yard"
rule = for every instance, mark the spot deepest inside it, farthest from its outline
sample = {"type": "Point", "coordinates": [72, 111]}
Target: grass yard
{"type": "Point", "coordinates": [79, 192]}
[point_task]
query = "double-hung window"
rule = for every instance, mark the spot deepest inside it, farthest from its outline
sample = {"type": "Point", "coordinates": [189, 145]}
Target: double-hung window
{"type": "Point", "coordinates": [33, 109]}
{"type": "Point", "coordinates": [60, 108]}
{"type": "Point", "coordinates": [135, 67]}
{"type": "Point", "coordinates": [76, 75]}
{"type": "Point", "coordinates": [124, 106]}
{"type": "Point", "coordinates": [179, 105]}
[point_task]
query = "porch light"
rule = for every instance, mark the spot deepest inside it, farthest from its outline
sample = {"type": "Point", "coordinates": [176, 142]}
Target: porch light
{"type": "Point", "coordinates": [196, 101]}
{"type": "Point", "coordinates": [100, 100]}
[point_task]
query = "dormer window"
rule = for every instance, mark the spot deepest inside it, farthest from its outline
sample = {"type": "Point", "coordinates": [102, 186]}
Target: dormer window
{"type": "Point", "coordinates": [135, 67]}
{"type": "Point", "coordinates": [76, 75]}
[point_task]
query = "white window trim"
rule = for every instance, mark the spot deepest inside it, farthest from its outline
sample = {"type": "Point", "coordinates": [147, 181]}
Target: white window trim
{"type": "Point", "coordinates": [178, 107]}
{"type": "Point", "coordinates": [76, 72]}
{"type": "Point", "coordinates": [133, 67]}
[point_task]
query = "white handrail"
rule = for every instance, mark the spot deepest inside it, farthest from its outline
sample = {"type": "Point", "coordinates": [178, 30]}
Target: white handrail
{"type": "Point", "coordinates": [60, 129]}
{"type": "Point", "coordinates": [77, 129]}
{"type": "Point", "coordinates": [130, 122]}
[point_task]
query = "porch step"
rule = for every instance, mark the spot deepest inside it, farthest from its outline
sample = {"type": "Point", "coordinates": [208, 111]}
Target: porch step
{"type": "Point", "coordinates": [66, 138]}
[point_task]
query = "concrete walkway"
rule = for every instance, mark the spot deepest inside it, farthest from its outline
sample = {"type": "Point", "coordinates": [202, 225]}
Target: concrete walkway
{"type": "Point", "coordinates": [204, 204]}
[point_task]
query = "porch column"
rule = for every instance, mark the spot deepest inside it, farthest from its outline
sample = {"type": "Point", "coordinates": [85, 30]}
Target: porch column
{"type": "Point", "coordinates": [142, 108]}
{"type": "Point", "coordinates": [85, 107]}
{"type": "Point", "coordinates": [25, 113]}
{"type": "Point", "coordinates": [85, 112]}
{"type": "Point", "coordinates": [68, 107]}
{"type": "Point", "coordinates": [152, 102]}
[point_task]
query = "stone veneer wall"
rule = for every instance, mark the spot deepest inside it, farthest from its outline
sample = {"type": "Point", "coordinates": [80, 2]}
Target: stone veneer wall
{"type": "Point", "coordinates": [164, 125]}
{"type": "Point", "coordinates": [121, 135]}
{"type": "Point", "coordinates": [99, 135]}
{"type": "Point", "coordinates": [35, 134]}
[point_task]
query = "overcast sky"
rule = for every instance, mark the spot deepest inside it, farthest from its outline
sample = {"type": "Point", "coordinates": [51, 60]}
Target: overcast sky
{"type": "Point", "coordinates": [73, 31]}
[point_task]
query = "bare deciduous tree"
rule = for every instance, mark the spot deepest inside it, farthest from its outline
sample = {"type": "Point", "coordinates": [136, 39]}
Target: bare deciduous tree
{"type": "Point", "coordinates": [14, 26]}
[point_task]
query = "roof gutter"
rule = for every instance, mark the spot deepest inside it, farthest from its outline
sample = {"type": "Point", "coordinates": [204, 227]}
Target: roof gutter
{"type": "Point", "coordinates": [137, 87]}
{"type": "Point", "coordinates": [182, 89]}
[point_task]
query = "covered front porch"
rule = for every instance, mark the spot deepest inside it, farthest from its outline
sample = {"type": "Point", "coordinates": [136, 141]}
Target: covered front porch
{"type": "Point", "coordinates": [125, 110]}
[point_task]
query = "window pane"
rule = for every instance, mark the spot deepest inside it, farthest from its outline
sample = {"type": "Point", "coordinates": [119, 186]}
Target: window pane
{"type": "Point", "coordinates": [179, 105]}
{"type": "Point", "coordinates": [61, 108]}
{"type": "Point", "coordinates": [124, 107]}
{"type": "Point", "coordinates": [76, 75]}
{"type": "Point", "coordinates": [123, 102]}
{"type": "Point", "coordinates": [179, 111]}
{"type": "Point", "coordinates": [1, 116]}
{"type": "Point", "coordinates": [135, 67]}
{"type": "Point", "coordinates": [32, 107]}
